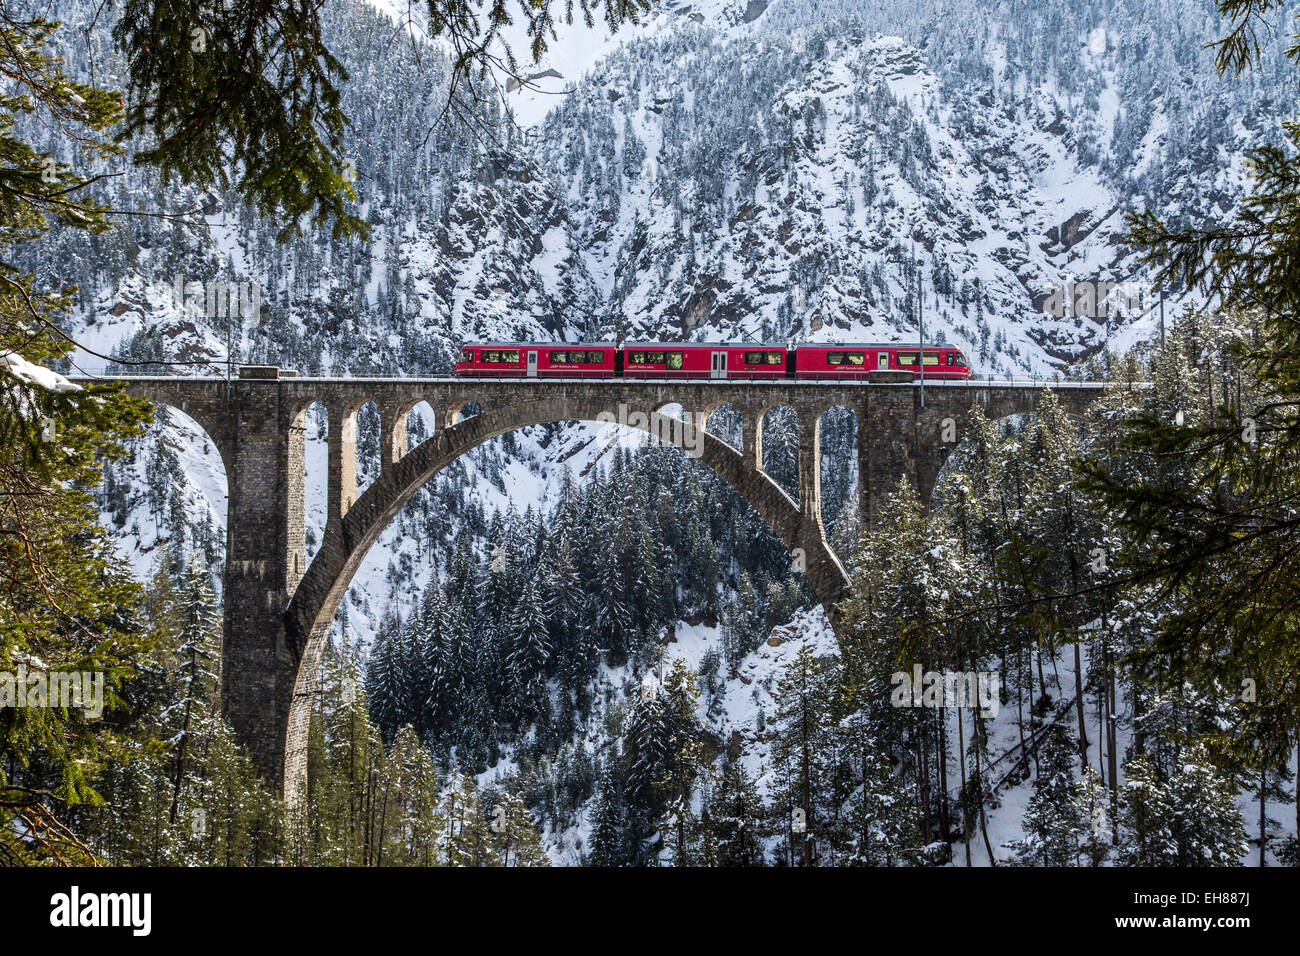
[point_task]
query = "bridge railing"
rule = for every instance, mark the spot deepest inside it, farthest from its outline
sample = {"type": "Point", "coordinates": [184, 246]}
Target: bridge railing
{"type": "Point", "coordinates": [85, 374]}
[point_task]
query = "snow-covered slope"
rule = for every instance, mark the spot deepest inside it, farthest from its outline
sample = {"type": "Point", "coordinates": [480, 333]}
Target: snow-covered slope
{"type": "Point", "coordinates": [793, 171]}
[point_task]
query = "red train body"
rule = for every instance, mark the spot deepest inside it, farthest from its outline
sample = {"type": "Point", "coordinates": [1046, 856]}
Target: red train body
{"type": "Point", "coordinates": [538, 360]}
{"type": "Point", "coordinates": [690, 360]}
{"type": "Point", "coordinates": [659, 360]}
{"type": "Point", "coordinates": [859, 360]}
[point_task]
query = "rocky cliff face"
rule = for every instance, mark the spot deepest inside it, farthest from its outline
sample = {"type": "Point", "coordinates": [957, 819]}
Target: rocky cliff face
{"type": "Point", "coordinates": [799, 171]}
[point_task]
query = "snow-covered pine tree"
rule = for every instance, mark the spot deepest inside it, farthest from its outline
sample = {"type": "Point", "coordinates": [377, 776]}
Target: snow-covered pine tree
{"type": "Point", "coordinates": [1052, 819]}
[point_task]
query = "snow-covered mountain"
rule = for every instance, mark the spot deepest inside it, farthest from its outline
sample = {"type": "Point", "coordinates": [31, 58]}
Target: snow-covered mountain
{"type": "Point", "coordinates": [784, 171]}
{"type": "Point", "coordinates": [792, 171]}
{"type": "Point", "coordinates": [725, 169]}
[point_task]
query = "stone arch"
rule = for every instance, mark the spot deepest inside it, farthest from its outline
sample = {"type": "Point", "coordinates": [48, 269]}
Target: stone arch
{"type": "Point", "coordinates": [461, 406]}
{"type": "Point", "coordinates": [764, 427]}
{"type": "Point", "coordinates": [187, 418]}
{"type": "Point", "coordinates": [311, 611]}
{"type": "Point", "coordinates": [341, 492]}
{"type": "Point", "coordinates": [949, 424]}
{"type": "Point", "coordinates": [397, 432]}
{"type": "Point", "coordinates": [368, 453]}
{"type": "Point", "coordinates": [840, 417]}
{"type": "Point", "coordinates": [729, 426]}
{"type": "Point", "coordinates": [268, 655]}
{"type": "Point", "coordinates": [309, 484]}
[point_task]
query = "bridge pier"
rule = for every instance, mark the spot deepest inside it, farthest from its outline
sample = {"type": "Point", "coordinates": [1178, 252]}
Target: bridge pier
{"type": "Point", "coordinates": [392, 434]}
{"type": "Point", "coordinates": [265, 555]}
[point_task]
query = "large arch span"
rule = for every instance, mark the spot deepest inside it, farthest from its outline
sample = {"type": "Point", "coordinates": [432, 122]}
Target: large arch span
{"type": "Point", "coordinates": [279, 607]}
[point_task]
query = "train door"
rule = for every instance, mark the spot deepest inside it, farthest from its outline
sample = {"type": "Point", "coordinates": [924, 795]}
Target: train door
{"type": "Point", "coordinates": [719, 367]}
{"type": "Point", "coordinates": [532, 363]}
{"type": "Point", "coordinates": [882, 360]}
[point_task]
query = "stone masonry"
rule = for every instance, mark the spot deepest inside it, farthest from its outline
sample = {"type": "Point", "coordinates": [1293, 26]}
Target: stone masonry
{"type": "Point", "coordinates": [278, 609]}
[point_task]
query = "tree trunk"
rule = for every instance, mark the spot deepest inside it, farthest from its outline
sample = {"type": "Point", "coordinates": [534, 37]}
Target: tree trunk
{"type": "Point", "coordinates": [1078, 702]}
{"type": "Point", "coordinates": [1263, 816]}
{"type": "Point", "coordinates": [944, 821]}
{"type": "Point", "coordinates": [928, 824]}
{"type": "Point", "coordinates": [965, 796]}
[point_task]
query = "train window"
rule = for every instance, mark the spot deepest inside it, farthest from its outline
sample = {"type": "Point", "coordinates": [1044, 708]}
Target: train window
{"type": "Point", "coordinates": [961, 360]}
{"type": "Point", "coordinates": [673, 359]}
{"type": "Point", "coordinates": [506, 356]}
{"type": "Point", "coordinates": [909, 358]}
{"type": "Point", "coordinates": [762, 358]}
{"type": "Point", "coordinates": [845, 358]}
{"type": "Point", "coordinates": [467, 355]}
{"type": "Point", "coordinates": [595, 358]}
{"type": "Point", "coordinates": [559, 357]}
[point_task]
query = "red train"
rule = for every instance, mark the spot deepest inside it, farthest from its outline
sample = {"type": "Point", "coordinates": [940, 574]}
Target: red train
{"type": "Point", "coordinates": [706, 360]}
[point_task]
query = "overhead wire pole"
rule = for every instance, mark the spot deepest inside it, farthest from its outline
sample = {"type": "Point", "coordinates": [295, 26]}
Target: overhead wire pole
{"type": "Point", "coordinates": [230, 351]}
{"type": "Point", "coordinates": [920, 324]}
{"type": "Point", "coordinates": [1162, 317]}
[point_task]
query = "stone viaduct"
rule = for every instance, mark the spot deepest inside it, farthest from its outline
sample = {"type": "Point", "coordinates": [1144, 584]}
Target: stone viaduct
{"type": "Point", "coordinates": [279, 607]}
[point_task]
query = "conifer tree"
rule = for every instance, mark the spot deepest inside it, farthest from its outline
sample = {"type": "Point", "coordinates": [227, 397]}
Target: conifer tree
{"type": "Point", "coordinates": [517, 841]}
{"type": "Point", "coordinates": [800, 741]}
{"type": "Point", "coordinates": [611, 841]}
{"type": "Point", "coordinates": [1092, 809]}
{"type": "Point", "coordinates": [736, 818]}
{"type": "Point", "coordinates": [688, 765]}
{"type": "Point", "coordinates": [65, 604]}
{"type": "Point", "coordinates": [196, 679]}
{"type": "Point", "coordinates": [1052, 819]}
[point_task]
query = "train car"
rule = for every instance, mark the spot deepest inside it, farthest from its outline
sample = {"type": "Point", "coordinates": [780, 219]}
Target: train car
{"type": "Point", "coordinates": [707, 360]}
{"type": "Point", "coordinates": [539, 360]}
{"type": "Point", "coordinates": [859, 359]}
{"type": "Point", "coordinates": [729, 360]}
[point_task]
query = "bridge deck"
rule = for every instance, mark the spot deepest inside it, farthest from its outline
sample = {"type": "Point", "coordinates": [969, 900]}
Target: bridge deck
{"type": "Point", "coordinates": [519, 379]}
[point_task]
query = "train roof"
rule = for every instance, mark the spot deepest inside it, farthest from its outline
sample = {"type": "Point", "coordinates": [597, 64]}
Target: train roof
{"type": "Point", "coordinates": [673, 345]}
{"type": "Point", "coordinates": [539, 345]}
{"type": "Point", "coordinates": [703, 345]}
{"type": "Point", "coordinates": [796, 345]}
{"type": "Point", "coordinates": [872, 345]}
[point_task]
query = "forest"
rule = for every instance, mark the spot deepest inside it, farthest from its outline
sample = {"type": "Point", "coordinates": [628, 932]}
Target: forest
{"type": "Point", "coordinates": [576, 648]}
